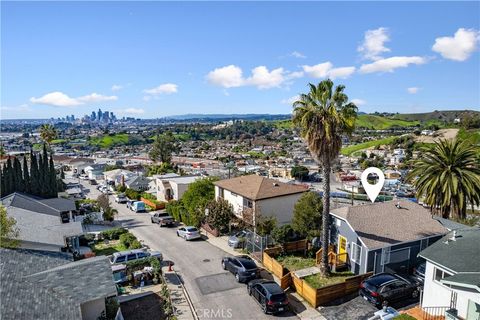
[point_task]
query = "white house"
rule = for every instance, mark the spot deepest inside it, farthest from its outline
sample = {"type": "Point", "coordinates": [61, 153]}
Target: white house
{"type": "Point", "coordinates": [254, 195]}
{"type": "Point", "coordinates": [452, 275]}
{"type": "Point", "coordinates": [173, 186]}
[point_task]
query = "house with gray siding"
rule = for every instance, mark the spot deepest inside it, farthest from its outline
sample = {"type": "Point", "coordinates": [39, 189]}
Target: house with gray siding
{"type": "Point", "coordinates": [383, 237]}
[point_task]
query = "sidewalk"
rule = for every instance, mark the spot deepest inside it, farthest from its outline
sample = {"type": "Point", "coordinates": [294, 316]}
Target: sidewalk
{"type": "Point", "coordinates": [179, 296]}
{"type": "Point", "coordinates": [302, 309]}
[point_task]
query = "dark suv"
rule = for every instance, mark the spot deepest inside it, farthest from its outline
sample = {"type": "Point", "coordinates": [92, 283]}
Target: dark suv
{"type": "Point", "coordinates": [269, 295]}
{"type": "Point", "coordinates": [387, 287]}
{"type": "Point", "coordinates": [242, 267]}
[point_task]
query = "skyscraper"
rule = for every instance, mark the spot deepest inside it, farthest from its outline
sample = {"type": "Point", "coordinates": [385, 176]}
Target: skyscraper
{"type": "Point", "coordinates": [99, 115]}
{"type": "Point", "coordinates": [93, 117]}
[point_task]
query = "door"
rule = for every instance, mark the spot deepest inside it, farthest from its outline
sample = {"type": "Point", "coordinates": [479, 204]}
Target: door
{"type": "Point", "coordinates": [342, 249]}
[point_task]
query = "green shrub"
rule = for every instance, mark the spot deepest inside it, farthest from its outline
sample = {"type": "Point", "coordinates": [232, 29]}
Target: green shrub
{"type": "Point", "coordinates": [132, 194]}
{"type": "Point", "coordinates": [135, 245]}
{"type": "Point", "coordinates": [121, 188]}
{"type": "Point", "coordinates": [114, 233]}
{"type": "Point", "coordinates": [127, 239]}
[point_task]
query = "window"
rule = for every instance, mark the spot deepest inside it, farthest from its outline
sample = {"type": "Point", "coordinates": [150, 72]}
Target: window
{"type": "Point", "coordinates": [131, 257]}
{"type": "Point", "coordinates": [356, 253]}
{"type": "Point", "coordinates": [439, 274]}
{"type": "Point", "coordinates": [120, 259]}
{"type": "Point", "coordinates": [338, 222]}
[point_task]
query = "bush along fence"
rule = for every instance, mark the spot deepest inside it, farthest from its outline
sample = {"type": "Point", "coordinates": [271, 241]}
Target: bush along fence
{"type": "Point", "coordinates": [314, 296]}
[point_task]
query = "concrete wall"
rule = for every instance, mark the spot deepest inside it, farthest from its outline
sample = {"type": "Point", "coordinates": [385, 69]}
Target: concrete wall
{"type": "Point", "coordinates": [91, 310]}
{"type": "Point", "coordinates": [234, 199]}
{"type": "Point", "coordinates": [279, 207]}
{"type": "Point", "coordinates": [178, 189]}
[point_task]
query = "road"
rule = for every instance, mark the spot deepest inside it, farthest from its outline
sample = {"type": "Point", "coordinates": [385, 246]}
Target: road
{"type": "Point", "coordinates": [215, 293]}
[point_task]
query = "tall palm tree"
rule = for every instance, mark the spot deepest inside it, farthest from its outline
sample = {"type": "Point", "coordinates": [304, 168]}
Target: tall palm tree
{"type": "Point", "coordinates": [323, 115]}
{"type": "Point", "coordinates": [48, 133]}
{"type": "Point", "coordinates": [447, 177]}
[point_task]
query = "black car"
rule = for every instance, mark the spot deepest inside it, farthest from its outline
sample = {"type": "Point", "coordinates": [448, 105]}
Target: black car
{"type": "Point", "coordinates": [419, 272]}
{"type": "Point", "coordinates": [269, 295]}
{"type": "Point", "coordinates": [242, 267]}
{"type": "Point", "coordinates": [387, 287]}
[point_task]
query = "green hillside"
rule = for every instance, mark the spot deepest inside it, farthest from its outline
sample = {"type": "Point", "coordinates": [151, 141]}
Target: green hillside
{"type": "Point", "coordinates": [109, 141]}
{"type": "Point", "coordinates": [441, 116]}
{"type": "Point", "coordinates": [369, 121]}
{"type": "Point", "coordinates": [369, 144]}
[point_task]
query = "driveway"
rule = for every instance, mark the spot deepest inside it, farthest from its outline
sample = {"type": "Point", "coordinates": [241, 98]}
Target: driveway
{"type": "Point", "coordinates": [215, 293]}
{"type": "Point", "coordinates": [355, 309]}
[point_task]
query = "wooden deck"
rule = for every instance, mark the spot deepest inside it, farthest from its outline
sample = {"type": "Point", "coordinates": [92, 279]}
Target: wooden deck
{"type": "Point", "coordinates": [419, 314]}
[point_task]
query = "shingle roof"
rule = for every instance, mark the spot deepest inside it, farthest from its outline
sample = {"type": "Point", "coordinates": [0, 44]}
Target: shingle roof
{"type": "Point", "coordinates": [48, 285]}
{"type": "Point", "coordinates": [51, 206]}
{"type": "Point", "coordinates": [469, 280]}
{"type": "Point", "coordinates": [382, 224]}
{"type": "Point", "coordinates": [255, 187]}
{"type": "Point", "coordinates": [460, 255]}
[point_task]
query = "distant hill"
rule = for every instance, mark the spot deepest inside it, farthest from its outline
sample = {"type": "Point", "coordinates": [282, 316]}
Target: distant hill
{"type": "Point", "coordinates": [444, 116]}
{"type": "Point", "coordinates": [370, 121]}
{"type": "Point", "coordinates": [226, 117]}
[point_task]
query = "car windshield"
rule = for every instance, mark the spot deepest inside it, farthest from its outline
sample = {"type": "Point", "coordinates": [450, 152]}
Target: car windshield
{"type": "Point", "coordinates": [248, 264]}
{"type": "Point", "coordinates": [192, 229]}
{"type": "Point", "coordinates": [278, 297]}
{"type": "Point", "coordinates": [240, 234]}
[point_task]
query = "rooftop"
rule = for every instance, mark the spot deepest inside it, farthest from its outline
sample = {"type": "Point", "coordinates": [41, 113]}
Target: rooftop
{"type": "Point", "coordinates": [255, 187]}
{"type": "Point", "coordinates": [52, 206]}
{"type": "Point", "coordinates": [381, 224]}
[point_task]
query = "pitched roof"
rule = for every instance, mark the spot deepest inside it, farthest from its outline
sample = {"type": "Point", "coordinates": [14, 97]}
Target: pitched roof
{"type": "Point", "coordinates": [255, 187]}
{"type": "Point", "coordinates": [382, 224]}
{"type": "Point", "coordinates": [52, 206]}
{"type": "Point", "coordinates": [49, 285]}
{"type": "Point", "coordinates": [459, 255]}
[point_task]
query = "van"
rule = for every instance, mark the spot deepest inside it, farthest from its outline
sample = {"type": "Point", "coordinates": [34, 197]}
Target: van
{"type": "Point", "coordinates": [138, 206]}
{"type": "Point", "coordinates": [130, 255]}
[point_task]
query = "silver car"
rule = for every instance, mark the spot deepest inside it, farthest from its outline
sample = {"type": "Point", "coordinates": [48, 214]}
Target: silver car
{"type": "Point", "coordinates": [188, 233]}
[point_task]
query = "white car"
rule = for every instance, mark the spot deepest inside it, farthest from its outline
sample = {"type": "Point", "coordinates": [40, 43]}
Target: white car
{"type": "Point", "coordinates": [188, 233]}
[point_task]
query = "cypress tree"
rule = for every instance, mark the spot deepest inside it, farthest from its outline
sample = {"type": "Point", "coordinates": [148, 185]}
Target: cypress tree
{"type": "Point", "coordinates": [26, 176]}
{"type": "Point", "coordinates": [53, 179]}
{"type": "Point", "coordinates": [34, 175]}
{"type": "Point", "coordinates": [2, 183]}
{"type": "Point", "coordinates": [10, 177]}
{"type": "Point", "coordinates": [45, 172]}
{"type": "Point", "coordinates": [17, 171]}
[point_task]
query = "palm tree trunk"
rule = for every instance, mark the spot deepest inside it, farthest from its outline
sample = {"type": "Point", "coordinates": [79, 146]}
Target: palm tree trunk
{"type": "Point", "coordinates": [324, 268]}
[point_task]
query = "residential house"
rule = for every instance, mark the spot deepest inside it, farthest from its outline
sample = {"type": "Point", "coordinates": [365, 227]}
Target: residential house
{"type": "Point", "coordinates": [50, 285]}
{"type": "Point", "coordinates": [95, 171]}
{"type": "Point", "coordinates": [252, 196]}
{"type": "Point", "coordinates": [138, 183]}
{"type": "Point", "coordinates": [118, 176]}
{"type": "Point", "coordinates": [383, 237]}
{"type": "Point", "coordinates": [392, 174]}
{"type": "Point", "coordinates": [171, 187]}
{"type": "Point", "coordinates": [45, 224]}
{"type": "Point", "coordinates": [452, 275]}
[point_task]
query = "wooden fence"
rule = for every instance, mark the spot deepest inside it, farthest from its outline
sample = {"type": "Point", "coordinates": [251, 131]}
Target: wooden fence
{"type": "Point", "coordinates": [317, 297]}
{"type": "Point", "coordinates": [273, 265]}
{"type": "Point", "coordinates": [156, 206]}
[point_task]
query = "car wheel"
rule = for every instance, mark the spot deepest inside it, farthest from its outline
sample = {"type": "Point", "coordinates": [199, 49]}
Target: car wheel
{"type": "Point", "coordinates": [224, 266]}
{"type": "Point", "coordinates": [151, 220]}
{"type": "Point", "coordinates": [249, 290]}
{"type": "Point", "coordinates": [264, 308]}
{"type": "Point", "coordinates": [237, 277]}
{"type": "Point", "coordinates": [415, 294]}
{"type": "Point", "coordinates": [178, 234]}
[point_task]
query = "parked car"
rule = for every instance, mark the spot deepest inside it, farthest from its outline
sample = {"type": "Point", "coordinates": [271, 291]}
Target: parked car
{"type": "Point", "coordinates": [130, 255]}
{"type": "Point", "coordinates": [137, 206]}
{"type": "Point", "coordinates": [388, 287]}
{"type": "Point", "coordinates": [163, 219]}
{"type": "Point", "coordinates": [242, 267]}
{"type": "Point", "coordinates": [238, 239]}
{"type": "Point", "coordinates": [269, 295]}
{"type": "Point", "coordinates": [93, 182]}
{"type": "Point", "coordinates": [188, 233]}
{"type": "Point", "coordinates": [120, 198]}
{"type": "Point", "coordinates": [419, 272]}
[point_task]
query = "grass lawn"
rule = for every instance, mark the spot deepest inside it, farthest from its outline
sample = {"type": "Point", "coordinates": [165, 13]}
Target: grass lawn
{"type": "Point", "coordinates": [317, 281]}
{"type": "Point", "coordinates": [294, 263]}
{"type": "Point", "coordinates": [361, 146]}
{"type": "Point", "coordinates": [108, 141]}
{"type": "Point", "coordinates": [105, 249]}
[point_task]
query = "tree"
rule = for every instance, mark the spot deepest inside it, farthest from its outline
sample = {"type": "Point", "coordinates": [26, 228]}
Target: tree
{"type": "Point", "coordinates": [26, 176]}
{"type": "Point", "coordinates": [220, 212]}
{"type": "Point", "coordinates": [48, 133]}
{"type": "Point", "coordinates": [163, 147]}
{"type": "Point", "coordinates": [300, 172]}
{"type": "Point", "coordinates": [17, 169]}
{"type": "Point", "coordinates": [323, 116]}
{"type": "Point", "coordinates": [265, 224]}
{"type": "Point", "coordinates": [9, 231]}
{"type": "Point", "coordinates": [447, 177]}
{"type": "Point", "coordinates": [307, 215]}
{"type": "Point", "coordinates": [35, 186]}
{"type": "Point", "coordinates": [283, 233]}
{"type": "Point", "coordinates": [103, 202]}
{"type": "Point", "coordinates": [196, 198]}
{"type": "Point", "coordinates": [52, 181]}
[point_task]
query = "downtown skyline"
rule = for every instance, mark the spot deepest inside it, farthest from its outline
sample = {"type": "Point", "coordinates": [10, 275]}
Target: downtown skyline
{"type": "Point", "coordinates": [156, 59]}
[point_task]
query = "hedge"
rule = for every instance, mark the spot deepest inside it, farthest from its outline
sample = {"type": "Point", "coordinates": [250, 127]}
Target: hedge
{"type": "Point", "coordinates": [114, 233]}
{"type": "Point", "coordinates": [130, 241]}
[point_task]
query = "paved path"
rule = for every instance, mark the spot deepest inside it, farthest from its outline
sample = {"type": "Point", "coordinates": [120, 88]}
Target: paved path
{"type": "Point", "coordinates": [215, 293]}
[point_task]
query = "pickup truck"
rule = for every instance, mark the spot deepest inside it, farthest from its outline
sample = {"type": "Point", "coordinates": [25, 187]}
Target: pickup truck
{"type": "Point", "coordinates": [163, 219]}
{"type": "Point", "coordinates": [120, 198]}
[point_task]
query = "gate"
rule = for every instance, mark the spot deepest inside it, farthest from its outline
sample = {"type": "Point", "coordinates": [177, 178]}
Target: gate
{"type": "Point", "coordinates": [393, 261]}
{"type": "Point", "coordinates": [255, 244]}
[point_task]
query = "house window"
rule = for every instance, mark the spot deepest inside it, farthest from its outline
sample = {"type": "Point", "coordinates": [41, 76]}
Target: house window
{"type": "Point", "coordinates": [249, 204]}
{"type": "Point", "coordinates": [356, 253]}
{"type": "Point", "coordinates": [338, 222]}
{"type": "Point", "coordinates": [439, 274]}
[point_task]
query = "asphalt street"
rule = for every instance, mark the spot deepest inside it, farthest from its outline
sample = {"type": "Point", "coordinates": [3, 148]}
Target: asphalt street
{"type": "Point", "coordinates": [214, 293]}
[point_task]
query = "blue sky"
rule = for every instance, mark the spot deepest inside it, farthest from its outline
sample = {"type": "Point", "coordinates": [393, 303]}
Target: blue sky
{"type": "Point", "coordinates": [152, 59]}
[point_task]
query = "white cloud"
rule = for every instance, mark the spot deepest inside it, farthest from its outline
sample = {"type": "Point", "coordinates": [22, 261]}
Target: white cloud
{"type": "Point", "coordinates": [374, 44]}
{"type": "Point", "coordinates": [21, 108]}
{"type": "Point", "coordinates": [326, 70]}
{"type": "Point", "coordinates": [56, 99]}
{"type": "Point", "coordinates": [359, 102]}
{"type": "Point", "coordinates": [290, 100]}
{"type": "Point", "coordinates": [413, 90]}
{"type": "Point", "coordinates": [231, 76]}
{"type": "Point", "coordinates": [166, 88]}
{"type": "Point", "coordinates": [297, 54]}
{"type": "Point", "coordinates": [264, 79]}
{"type": "Point", "coordinates": [117, 87]}
{"type": "Point", "coordinates": [390, 64]}
{"type": "Point", "coordinates": [130, 111]}
{"type": "Point", "coordinates": [227, 77]}
{"type": "Point", "coordinates": [460, 46]}
{"type": "Point", "coordinates": [95, 97]}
